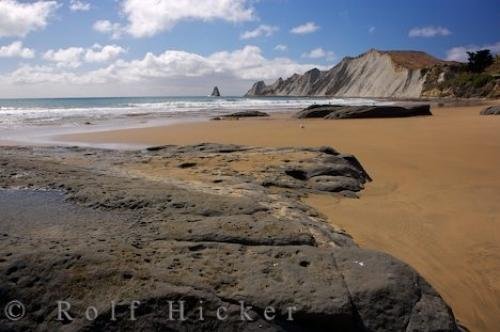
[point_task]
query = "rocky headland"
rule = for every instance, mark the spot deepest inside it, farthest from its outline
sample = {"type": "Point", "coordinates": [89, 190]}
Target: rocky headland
{"type": "Point", "coordinates": [394, 74]}
{"type": "Point", "coordinates": [220, 224]}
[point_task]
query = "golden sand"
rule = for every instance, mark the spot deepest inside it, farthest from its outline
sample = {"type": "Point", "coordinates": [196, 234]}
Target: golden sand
{"type": "Point", "coordinates": [434, 201]}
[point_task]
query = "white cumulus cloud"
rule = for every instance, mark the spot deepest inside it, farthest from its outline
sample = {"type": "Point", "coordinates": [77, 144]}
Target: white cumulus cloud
{"type": "Point", "coordinates": [281, 47]}
{"type": "Point", "coordinates": [65, 57]}
{"type": "Point", "coordinates": [73, 57]}
{"type": "Point", "coordinates": [115, 30]}
{"type": "Point", "coordinates": [319, 53]}
{"type": "Point", "coordinates": [429, 31]}
{"type": "Point", "coordinates": [16, 50]}
{"type": "Point", "coordinates": [305, 28]}
{"type": "Point", "coordinates": [17, 18]}
{"type": "Point", "coordinates": [149, 17]}
{"type": "Point", "coordinates": [79, 6]}
{"type": "Point", "coordinates": [261, 30]}
{"type": "Point", "coordinates": [28, 74]}
{"type": "Point", "coordinates": [459, 53]}
{"type": "Point", "coordinates": [100, 53]}
{"type": "Point", "coordinates": [247, 63]}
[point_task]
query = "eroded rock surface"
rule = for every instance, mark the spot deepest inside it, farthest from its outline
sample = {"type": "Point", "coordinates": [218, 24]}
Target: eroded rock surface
{"type": "Point", "coordinates": [91, 226]}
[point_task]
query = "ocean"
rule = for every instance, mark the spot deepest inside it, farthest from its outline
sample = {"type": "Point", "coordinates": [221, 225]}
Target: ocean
{"type": "Point", "coordinates": [78, 111]}
{"type": "Point", "coordinates": [41, 121]}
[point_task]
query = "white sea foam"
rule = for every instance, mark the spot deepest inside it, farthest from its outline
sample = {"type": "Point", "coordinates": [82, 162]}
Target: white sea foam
{"type": "Point", "coordinates": [70, 112]}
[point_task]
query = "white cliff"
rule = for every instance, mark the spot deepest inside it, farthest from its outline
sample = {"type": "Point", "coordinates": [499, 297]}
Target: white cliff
{"type": "Point", "coordinates": [372, 74]}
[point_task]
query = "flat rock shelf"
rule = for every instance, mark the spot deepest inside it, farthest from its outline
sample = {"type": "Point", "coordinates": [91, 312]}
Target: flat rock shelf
{"type": "Point", "coordinates": [221, 224]}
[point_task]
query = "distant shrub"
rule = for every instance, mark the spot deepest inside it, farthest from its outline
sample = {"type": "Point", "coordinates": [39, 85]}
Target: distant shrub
{"type": "Point", "coordinates": [480, 60]}
{"type": "Point", "coordinates": [466, 79]}
{"type": "Point", "coordinates": [459, 80]}
{"type": "Point", "coordinates": [481, 80]}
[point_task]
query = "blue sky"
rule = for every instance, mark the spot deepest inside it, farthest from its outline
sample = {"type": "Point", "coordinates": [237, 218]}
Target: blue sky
{"type": "Point", "coordinates": [98, 48]}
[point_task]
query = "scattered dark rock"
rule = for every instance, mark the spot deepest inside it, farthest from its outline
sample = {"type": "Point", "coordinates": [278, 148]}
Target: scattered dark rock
{"type": "Point", "coordinates": [329, 169]}
{"type": "Point", "coordinates": [243, 114]}
{"type": "Point", "coordinates": [491, 110]}
{"type": "Point", "coordinates": [187, 165]}
{"type": "Point", "coordinates": [158, 148]}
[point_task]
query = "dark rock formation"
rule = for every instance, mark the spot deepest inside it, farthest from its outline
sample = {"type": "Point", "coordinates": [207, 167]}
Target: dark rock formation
{"type": "Point", "coordinates": [379, 112]}
{"type": "Point", "coordinates": [242, 114]}
{"type": "Point", "coordinates": [353, 112]}
{"type": "Point", "coordinates": [258, 89]}
{"type": "Point", "coordinates": [136, 225]}
{"type": "Point", "coordinates": [491, 110]}
{"type": "Point", "coordinates": [316, 111]}
{"type": "Point", "coordinates": [215, 92]}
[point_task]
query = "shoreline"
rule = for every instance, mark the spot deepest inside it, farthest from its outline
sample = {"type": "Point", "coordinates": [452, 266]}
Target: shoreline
{"type": "Point", "coordinates": [435, 177]}
{"type": "Point", "coordinates": [45, 134]}
{"type": "Point", "coordinates": [50, 135]}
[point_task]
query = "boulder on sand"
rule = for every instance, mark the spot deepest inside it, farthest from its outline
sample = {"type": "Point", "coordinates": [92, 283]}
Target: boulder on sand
{"type": "Point", "coordinates": [316, 111]}
{"type": "Point", "coordinates": [491, 110]}
{"type": "Point", "coordinates": [392, 111]}
{"type": "Point", "coordinates": [242, 114]}
{"type": "Point", "coordinates": [333, 112]}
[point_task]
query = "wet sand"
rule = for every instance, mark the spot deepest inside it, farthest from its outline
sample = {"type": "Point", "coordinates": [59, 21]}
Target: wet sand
{"type": "Point", "coordinates": [434, 201]}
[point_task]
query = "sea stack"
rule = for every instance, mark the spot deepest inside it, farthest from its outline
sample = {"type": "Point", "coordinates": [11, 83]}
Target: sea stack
{"type": "Point", "coordinates": [215, 92]}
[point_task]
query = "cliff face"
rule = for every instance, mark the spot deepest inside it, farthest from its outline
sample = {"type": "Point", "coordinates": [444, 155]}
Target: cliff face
{"type": "Point", "coordinates": [372, 74]}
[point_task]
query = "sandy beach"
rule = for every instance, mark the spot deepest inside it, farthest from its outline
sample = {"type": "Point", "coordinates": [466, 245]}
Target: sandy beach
{"type": "Point", "coordinates": [433, 202]}
{"type": "Point", "coordinates": [215, 165]}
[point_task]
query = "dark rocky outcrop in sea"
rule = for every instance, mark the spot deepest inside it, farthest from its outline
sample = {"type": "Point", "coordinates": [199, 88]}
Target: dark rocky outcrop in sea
{"type": "Point", "coordinates": [491, 110]}
{"type": "Point", "coordinates": [333, 112]}
{"type": "Point", "coordinates": [215, 92]}
{"type": "Point", "coordinates": [220, 224]}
